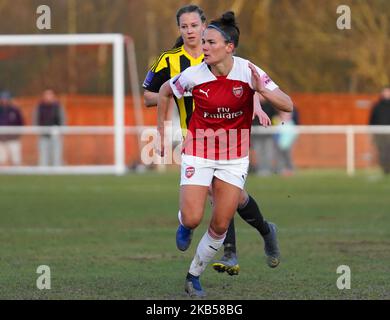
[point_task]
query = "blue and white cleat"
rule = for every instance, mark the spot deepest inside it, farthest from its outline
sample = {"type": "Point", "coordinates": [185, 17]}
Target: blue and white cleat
{"type": "Point", "coordinates": [271, 248]}
{"type": "Point", "coordinates": [183, 237]}
{"type": "Point", "coordinates": [228, 264]}
{"type": "Point", "coordinates": [193, 288]}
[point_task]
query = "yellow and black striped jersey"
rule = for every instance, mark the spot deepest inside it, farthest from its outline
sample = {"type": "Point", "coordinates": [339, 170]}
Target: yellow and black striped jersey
{"type": "Point", "coordinates": [169, 64]}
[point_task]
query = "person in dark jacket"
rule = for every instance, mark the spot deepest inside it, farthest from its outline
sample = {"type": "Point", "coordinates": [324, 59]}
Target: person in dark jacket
{"type": "Point", "coordinates": [50, 112]}
{"type": "Point", "coordinates": [380, 115]}
{"type": "Point", "coordinates": [10, 145]}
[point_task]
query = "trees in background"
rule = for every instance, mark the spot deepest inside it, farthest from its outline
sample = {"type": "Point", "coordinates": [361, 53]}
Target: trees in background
{"type": "Point", "coordinates": [296, 42]}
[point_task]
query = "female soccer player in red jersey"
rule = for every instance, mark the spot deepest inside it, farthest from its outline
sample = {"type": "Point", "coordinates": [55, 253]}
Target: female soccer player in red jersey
{"type": "Point", "coordinates": [216, 147]}
{"type": "Point", "coordinates": [188, 52]}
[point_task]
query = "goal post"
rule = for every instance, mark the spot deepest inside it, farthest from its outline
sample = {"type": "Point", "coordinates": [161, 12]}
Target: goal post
{"type": "Point", "coordinates": [118, 43]}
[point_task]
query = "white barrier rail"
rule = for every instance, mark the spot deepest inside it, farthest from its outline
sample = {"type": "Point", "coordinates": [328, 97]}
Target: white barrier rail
{"type": "Point", "coordinates": [349, 131]}
{"type": "Point", "coordinates": [317, 129]}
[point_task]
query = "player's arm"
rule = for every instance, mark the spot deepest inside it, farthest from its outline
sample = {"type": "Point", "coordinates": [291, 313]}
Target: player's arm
{"type": "Point", "coordinates": [262, 100]}
{"type": "Point", "coordinates": [150, 98]}
{"type": "Point", "coordinates": [277, 97]}
{"type": "Point", "coordinates": [163, 101]}
{"type": "Point", "coordinates": [258, 111]}
{"type": "Point", "coordinates": [155, 78]}
{"type": "Point", "coordinates": [177, 86]}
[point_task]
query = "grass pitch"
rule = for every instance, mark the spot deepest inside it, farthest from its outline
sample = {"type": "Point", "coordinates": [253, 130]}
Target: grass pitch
{"type": "Point", "coordinates": [107, 237]}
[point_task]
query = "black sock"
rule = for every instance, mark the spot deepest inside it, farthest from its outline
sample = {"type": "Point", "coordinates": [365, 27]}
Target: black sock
{"type": "Point", "coordinates": [252, 215]}
{"type": "Point", "coordinates": [230, 240]}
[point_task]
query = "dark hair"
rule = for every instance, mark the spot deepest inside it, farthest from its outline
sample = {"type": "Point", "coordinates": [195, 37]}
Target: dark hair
{"type": "Point", "coordinates": [179, 42]}
{"type": "Point", "coordinates": [189, 9]}
{"type": "Point", "coordinates": [227, 26]}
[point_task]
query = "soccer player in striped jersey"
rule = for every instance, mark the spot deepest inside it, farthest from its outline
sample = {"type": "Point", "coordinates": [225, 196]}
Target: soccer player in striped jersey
{"type": "Point", "coordinates": [192, 22]}
{"type": "Point", "coordinates": [223, 89]}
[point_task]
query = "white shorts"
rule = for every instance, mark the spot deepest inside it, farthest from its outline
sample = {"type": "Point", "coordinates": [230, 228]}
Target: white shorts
{"type": "Point", "coordinates": [200, 171]}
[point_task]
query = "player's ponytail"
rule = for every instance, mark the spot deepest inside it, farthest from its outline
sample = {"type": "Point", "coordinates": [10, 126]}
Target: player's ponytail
{"type": "Point", "coordinates": [179, 42]}
{"type": "Point", "coordinates": [228, 27]}
{"type": "Point", "coordinates": [228, 18]}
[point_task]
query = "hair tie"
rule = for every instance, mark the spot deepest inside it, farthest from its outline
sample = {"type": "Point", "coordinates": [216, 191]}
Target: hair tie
{"type": "Point", "coordinates": [224, 34]}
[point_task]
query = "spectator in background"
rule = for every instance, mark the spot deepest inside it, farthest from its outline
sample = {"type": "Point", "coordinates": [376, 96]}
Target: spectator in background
{"type": "Point", "coordinates": [284, 141]}
{"type": "Point", "coordinates": [49, 112]}
{"type": "Point", "coordinates": [10, 145]}
{"type": "Point", "coordinates": [380, 115]}
{"type": "Point", "coordinates": [264, 144]}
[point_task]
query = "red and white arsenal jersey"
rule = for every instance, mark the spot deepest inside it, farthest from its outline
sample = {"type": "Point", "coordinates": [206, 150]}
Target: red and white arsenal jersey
{"type": "Point", "coordinates": [220, 125]}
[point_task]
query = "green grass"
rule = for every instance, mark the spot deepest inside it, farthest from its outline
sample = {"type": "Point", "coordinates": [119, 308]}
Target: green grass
{"type": "Point", "coordinates": [107, 237]}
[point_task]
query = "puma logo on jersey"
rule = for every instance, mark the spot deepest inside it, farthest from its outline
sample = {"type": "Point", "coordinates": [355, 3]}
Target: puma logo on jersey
{"type": "Point", "coordinates": [206, 93]}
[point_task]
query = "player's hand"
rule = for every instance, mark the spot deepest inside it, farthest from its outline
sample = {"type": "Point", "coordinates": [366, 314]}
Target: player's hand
{"type": "Point", "coordinates": [257, 80]}
{"type": "Point", "coordinates": [159, 144]}
{"type": "Point", "coordinates": [258, 112]}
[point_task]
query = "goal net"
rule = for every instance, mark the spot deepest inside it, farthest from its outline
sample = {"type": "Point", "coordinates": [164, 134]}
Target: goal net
{"type": "Point", "coordinates": [92, 140]}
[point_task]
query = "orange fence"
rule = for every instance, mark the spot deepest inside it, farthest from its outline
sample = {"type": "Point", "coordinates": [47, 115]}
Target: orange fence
{"type": "Point", "coordinates": [333, 108]}
{"type": "Point", "coordinates": [82, 110]}
{"type": "Point", "coordinates": [309, 150]}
